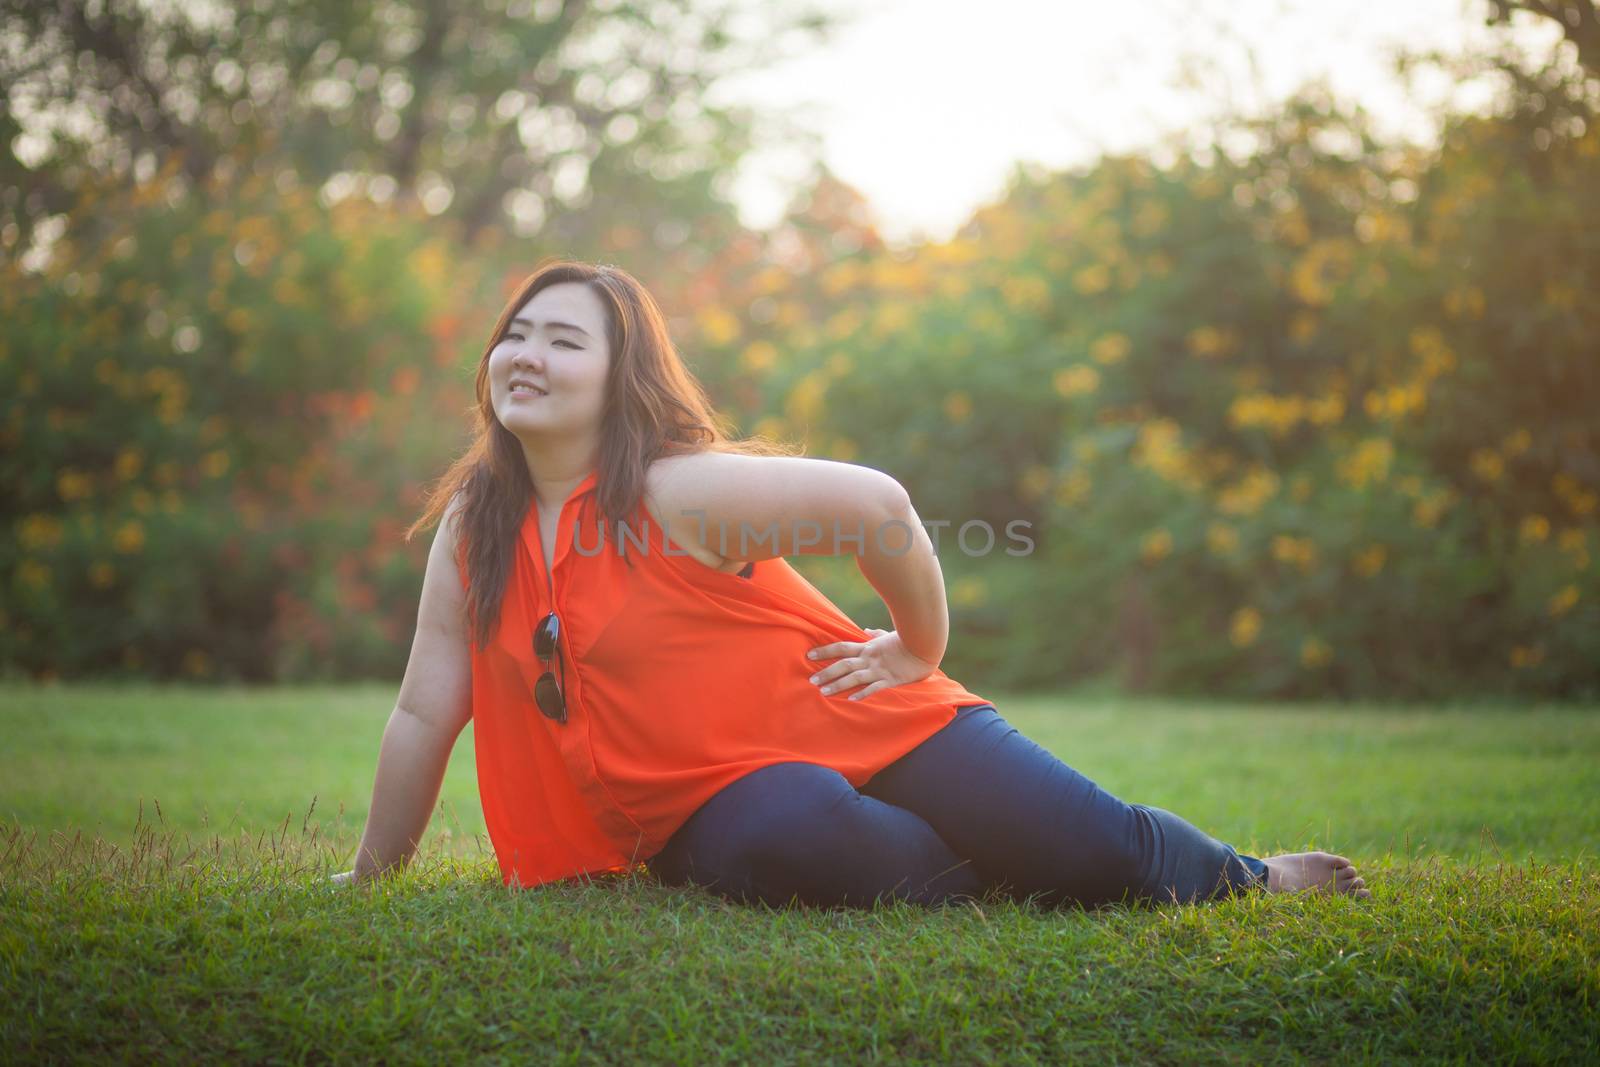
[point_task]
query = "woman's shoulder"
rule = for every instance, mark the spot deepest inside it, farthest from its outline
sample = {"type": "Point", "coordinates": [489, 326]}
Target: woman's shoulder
{"type": "Point", "coordinates": [669, 499]}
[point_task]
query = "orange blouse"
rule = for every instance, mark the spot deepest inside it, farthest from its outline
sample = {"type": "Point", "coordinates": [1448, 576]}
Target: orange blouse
{"type": "Point", "coordinates": [679, 680]}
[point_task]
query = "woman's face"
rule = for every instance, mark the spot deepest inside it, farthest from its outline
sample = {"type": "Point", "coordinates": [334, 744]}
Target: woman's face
{"type": "Point", "coordinates": [556, 343]}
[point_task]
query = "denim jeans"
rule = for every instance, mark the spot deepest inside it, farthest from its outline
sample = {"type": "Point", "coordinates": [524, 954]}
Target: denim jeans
{"type": "Point", "coordinates": [977, 806]}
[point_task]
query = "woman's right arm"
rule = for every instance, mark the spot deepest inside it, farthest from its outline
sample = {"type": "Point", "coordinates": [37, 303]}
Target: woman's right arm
{"type": "Point", "coordinates": [434, 704]}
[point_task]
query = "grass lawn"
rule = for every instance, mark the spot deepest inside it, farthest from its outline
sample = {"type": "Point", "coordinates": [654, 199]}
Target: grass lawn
{"type": "Point", "coordinates": [207, 930]}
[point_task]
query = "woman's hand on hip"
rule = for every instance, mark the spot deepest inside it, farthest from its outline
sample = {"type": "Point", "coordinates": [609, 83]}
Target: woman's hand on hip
{"type": "Point", "coordinates": [879, 663]}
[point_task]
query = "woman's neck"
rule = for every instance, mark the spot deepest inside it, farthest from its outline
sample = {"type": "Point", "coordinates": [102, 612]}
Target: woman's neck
{"type": "Point", "coordinates": [556, 474]}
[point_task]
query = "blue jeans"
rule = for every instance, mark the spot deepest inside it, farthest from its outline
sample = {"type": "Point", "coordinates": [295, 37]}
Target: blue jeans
{"type": "Point", "coordinates": [975, 807]}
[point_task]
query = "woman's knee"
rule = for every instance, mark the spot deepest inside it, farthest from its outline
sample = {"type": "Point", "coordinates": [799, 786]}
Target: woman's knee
{"type": "Point", "coordinates": [765, 817]}
{"type": "Point", "coordinates": [795, 809]}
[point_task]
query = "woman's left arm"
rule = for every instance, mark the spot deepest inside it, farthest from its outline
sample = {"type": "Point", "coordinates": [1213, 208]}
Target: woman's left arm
{"type": "Point", "coordinates": [905, 571]}
{"type": "Point", "coordinates": [757, 507]}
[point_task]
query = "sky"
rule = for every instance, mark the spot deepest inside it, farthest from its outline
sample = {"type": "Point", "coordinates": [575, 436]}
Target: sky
{"type": "Point", "coordinates": [926, 105]}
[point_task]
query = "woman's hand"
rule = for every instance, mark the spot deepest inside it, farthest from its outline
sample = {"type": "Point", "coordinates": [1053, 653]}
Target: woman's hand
{"type": "Point", "coordinates": [879, 663]}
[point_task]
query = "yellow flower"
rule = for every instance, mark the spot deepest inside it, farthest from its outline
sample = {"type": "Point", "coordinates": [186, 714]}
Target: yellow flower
{"type": "Point", "coordinates": [1534, 529]}
{"type": "Point", "coordinates": [957, 406]}
{"type": "Point", "coordinates": [40, 531]}
{"type": "Point", "coordinates": [1563, 601]}
{"type": "Point", "coordinates": [892, 318]}
{"type": "Point", "coordinates": [1431, 349]}
{"type": "Point", "coordinates": [215, 463]}
{"type": "Point", "coordinates": [1369, 462]}
{"type": "Point", "coordinates": [102, 574]}
{"type": "Point", "coordinates": [1209, 341]}
{"type": "Point", "coordinates": [1112, 348]}
{"type": "Point", "coordinates": [759, 355]}
{"type": "Point", "coordinates": [1523, 656]}
{"type": "Point", "coordinates": [32, 572]}
{"type": "Point", "coordinates": [717, 326]}
{"type": "Point", "coordinates": [1292, 227]}
{"type": "Point", "coordinates": [1517, 442]}
{"type": "Point", "coordinates": [1324, 264]}
{"type": "Point", "coordinates": [1093, 279]}
{"type": "Point", "coordinates": [1278, 414]}
{"type": "Point", "coordinates": [1395, 401]}
{"type": "Point", "coordinates": [1033, 482]}
{"type": "Point", "coordinates": [129, 537]}
{"type": "Point", "coordinates": [792, 315]}
{"type": "Point", "coordinates": [969, 591]}
{"type": "Point", "coordinates": [1157, 546]}
{"type": "Point", "coordinates": [1487, 464]}
{"type": "Point", "coordinates": [844, 324]}
{"type": "Point", "coordinates": [770, 427]}
{"type": "Point", "coordinates": [1465, 302]}
{"type": "Point", "coordinates": [1370, 560]}
{"type": "Point", "coordinates": [1160, 447]}
{"type": "Point", "coordinates": [1025, 293]}
{"type": "Point", "coordinates": [1575, 543]}
{"type": "Point", "coordinates": [1244, 627]}
{"type": "Point", "coordinates": [1148, 220]}
{"type": "Point", "coordinates": [1076, 380]}
{"type": "Point", "coordinates": [1426, 512]}
{"type": "Point", "coordinates": [1580, 500]}
{"type": "Point", "coordinates": [1221, 538]}
{"type": "Point", "coordinates": [1558, 295]}
{"type": "Point", "coordinates": [841, 276]}
{"type": "Point", "coordinates": [129, 461]}
{"type": "Point", "coordinates": [1246, 496]}
{"type": "Point", "coordinates": [73, 484]}
{"type": "Point", "coordinates": [804, 401]}
{"type": "Point", "coordinates": [1315, 652]}
{"type": "Point", "coordinates": [1073, 488]}
{"type": "Point", "coordinates": [1295, 551]}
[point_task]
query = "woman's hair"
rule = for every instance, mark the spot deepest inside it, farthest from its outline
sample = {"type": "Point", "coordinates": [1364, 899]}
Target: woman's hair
{"type": "Point", "coordinates": [653, 406]}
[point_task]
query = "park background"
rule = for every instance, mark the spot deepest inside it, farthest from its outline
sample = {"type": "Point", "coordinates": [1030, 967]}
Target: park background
{"type": "Point", "coordinates": [1295, 408]}
{"type": "Point", "coordinates": [1299, 397]}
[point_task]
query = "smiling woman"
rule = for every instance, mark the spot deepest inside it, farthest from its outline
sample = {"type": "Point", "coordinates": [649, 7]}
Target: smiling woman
{"type": "Point", "coordinates": [650, 681]}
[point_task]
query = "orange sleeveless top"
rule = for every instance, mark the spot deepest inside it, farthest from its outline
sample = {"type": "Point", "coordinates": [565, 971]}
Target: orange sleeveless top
{"type": "Point", "coordinates": [679, 680]}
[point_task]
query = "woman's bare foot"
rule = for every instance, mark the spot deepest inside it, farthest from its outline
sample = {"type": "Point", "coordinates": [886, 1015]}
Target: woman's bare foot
{"type": "Point", "coordinates": [1298, 872]}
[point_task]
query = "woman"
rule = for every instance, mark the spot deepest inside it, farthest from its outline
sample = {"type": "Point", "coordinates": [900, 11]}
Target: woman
{"type": "Point", "coordinates": [650, 681]}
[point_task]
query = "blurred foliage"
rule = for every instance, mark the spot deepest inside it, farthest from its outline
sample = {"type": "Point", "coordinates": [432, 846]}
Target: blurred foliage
{"type": "Point", "coordinates": [536, 114]}
{"type": "Point", "coordinates": [1316, 415]}
{"type": "Point", "coordinates": [1310, 414]}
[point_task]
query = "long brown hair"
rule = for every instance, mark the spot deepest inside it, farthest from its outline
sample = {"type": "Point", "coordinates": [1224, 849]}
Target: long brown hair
{"type": "Point", "coordinates": [653, 406]}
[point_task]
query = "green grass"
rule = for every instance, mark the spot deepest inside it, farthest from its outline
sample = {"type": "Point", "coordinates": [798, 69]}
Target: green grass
{"type": "Point", "coordinates": [208, 931]}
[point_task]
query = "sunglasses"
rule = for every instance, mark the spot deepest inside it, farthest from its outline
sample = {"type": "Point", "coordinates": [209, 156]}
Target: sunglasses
{"type": "Point", "coordinates": [546, 693]}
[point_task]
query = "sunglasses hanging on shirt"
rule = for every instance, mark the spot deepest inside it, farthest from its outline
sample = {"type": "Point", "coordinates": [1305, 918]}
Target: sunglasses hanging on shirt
{"type": "Point", "coordinates": [546, 693]}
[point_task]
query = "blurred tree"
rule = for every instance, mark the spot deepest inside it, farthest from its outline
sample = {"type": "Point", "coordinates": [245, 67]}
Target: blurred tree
{"type": "Point", "coordinates": [482, 113]}
{"type": "Point", "coordinates": [1579, 19]}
